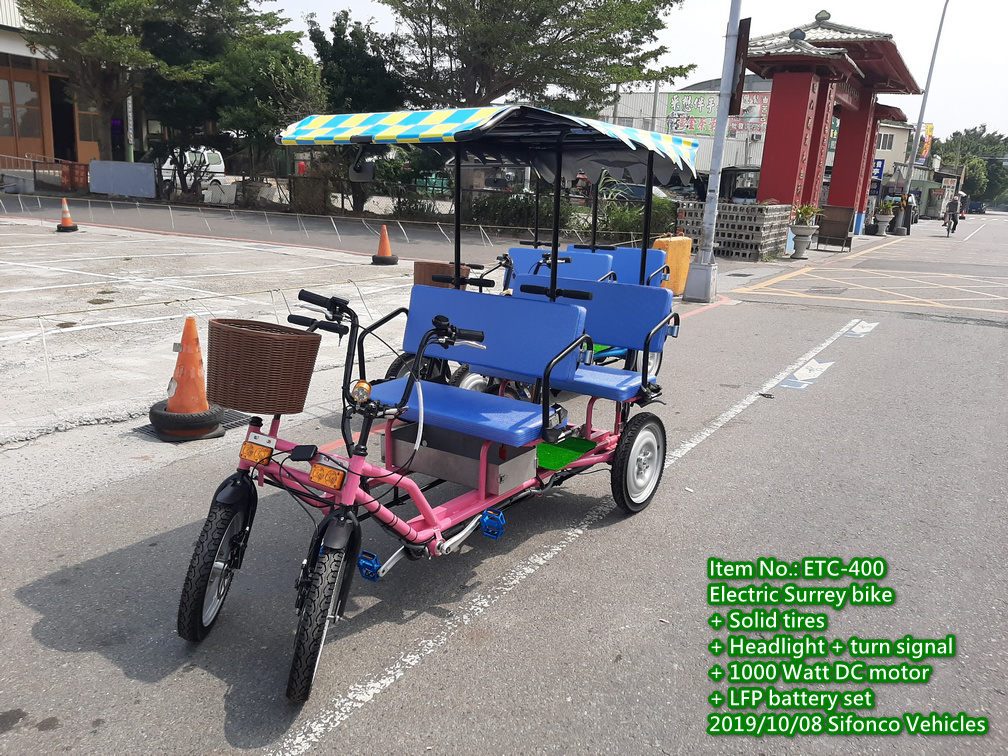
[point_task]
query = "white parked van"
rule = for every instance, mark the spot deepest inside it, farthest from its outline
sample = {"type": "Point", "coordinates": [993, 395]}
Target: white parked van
{"type": "Point", "coordinates": [203, 165]}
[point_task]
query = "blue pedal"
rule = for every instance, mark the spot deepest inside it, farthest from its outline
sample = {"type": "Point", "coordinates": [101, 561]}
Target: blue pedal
{"type": "Point", "coordinates": [492, 523]}
{"type": "Point", "coordinates": [369, 564]}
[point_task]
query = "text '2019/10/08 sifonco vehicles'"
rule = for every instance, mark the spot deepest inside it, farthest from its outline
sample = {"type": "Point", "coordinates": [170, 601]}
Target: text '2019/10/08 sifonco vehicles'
{"type": "Point", "coordinates": [534, 424]}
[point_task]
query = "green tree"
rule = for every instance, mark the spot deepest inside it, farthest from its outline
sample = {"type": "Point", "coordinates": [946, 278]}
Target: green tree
{"type": "Point", "coordinates": [471, 52]}
{"type": "Point", "coordinates": [975, 183]}
{"type": "Point", "coordinates": [354, 67]}
{"type": "Point", "coordinates": [97, 45]}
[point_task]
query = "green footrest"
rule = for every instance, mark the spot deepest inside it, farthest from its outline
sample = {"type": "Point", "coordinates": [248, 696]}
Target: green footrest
{"type": "Point", "coordinates": [558, 456]}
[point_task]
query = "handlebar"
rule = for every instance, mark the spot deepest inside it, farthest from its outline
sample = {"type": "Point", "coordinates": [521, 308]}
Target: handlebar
{"type": "Point", "coordinates": [469, 335]}
{"type": "Point", "coordinates": [332, 304]}
{"type": "Point", "coordinates": [311, 324]}
{"type": "Point", "coordinates": [565, 293]}
{"type": "Point", "coordinates": [480, 283]}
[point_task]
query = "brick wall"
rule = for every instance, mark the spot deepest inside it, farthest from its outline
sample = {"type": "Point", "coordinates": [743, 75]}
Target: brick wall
{"type": "Point", "coordinates": [749, 232]}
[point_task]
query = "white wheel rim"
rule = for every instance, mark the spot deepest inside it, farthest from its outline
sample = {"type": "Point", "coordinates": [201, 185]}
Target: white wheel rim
{"type": "Point", "coordinates": [473, 382]}
{"type": "Point", "coordinates": [221, 574]}
{"type": "Point", "coordinates": [645, 464]}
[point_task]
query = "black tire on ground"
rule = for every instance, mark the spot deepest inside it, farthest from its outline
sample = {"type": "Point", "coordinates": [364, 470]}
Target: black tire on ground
{"type": "Point", "coordinates": [161, 418]}
{"type": "Point", "coordinates": [211, 570]}
{"type": "Point", "coordinates": [328, 576]}
{"type": "Point", "coordinates": [638, 463]}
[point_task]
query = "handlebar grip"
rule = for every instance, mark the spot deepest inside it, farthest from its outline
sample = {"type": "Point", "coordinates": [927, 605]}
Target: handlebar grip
{"type": "Point", "coordinates": [442, 278]}
{"type": "Point", "coordinates": [326, 325]}
{"type": "Point", "coordinates": [317, 299]}
{"type": "Point", "coordinates": [574, 294]}
{"type": "Point", "coordinates": [467, 335]}
{"type": "Point", "coordinates": [475, 266]}
{"type": "Point", "coordinates": [533, 289]}
{"type": "Point", "coordinates": [480, 283]}
{"type": "Point", "coordinates": [301, 320]}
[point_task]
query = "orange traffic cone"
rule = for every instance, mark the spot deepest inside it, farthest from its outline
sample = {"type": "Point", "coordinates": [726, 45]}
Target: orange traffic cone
{"type": "Point", "coordinates": [186, 414]}
{"type": "Point", "coordinates": [384, 256]}
{"type": "Point", "coordinates": [66, 222]}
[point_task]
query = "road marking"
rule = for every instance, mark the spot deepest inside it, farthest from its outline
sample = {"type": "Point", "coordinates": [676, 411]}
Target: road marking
{"type": "Point", "coordinates": [804, 376]}
{"type": "Point", "coordinates": [861, 330]}
{"type": "Point", "coordinates": [736, 409]}
{"type": "Point", "coordinates": [974, 233]}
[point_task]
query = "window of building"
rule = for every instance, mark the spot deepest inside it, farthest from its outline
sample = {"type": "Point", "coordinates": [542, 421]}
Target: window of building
{"type": "Point", "coordinates": [26, 110]}
{"type": "Point", "coordinates": [6, 111]}
{"type": "Point", "coordinates": [88, 121]}
{"type": "Point", "coordinates": [884, 142]}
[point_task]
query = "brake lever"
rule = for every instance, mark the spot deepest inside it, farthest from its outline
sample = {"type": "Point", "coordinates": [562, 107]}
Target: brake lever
{"type": "Point", "coordinates": [474, 344]}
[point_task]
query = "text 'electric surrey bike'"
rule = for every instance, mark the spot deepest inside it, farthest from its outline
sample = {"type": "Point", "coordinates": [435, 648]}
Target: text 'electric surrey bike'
{"type": "Point", "coordinates": [502, 447]}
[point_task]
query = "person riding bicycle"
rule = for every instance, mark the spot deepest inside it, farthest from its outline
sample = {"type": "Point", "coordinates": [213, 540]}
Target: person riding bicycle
{"type": "Point", "coordinates": [952, 213]}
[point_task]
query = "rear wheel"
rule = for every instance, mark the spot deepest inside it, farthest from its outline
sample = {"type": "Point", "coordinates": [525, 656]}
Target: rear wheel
{"type": "Point", "coordinates": [211, 570]}
{"type": "Point", "coordinates": [638, 463]}
{"type": "Point", "coordinates": [317, 614]}
{"type": "Point", "coordinates": [633, 362]}
{"type": "Point", "coordinates": [466, 379]}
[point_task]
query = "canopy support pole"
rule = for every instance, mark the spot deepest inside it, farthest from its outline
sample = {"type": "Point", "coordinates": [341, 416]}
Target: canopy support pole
{"type": "Point", "coordinates": [594, 241]}
{"type": "Point", "coordinates": [535, 227]}
{"type": "Point", "coordinates": [458, 216]}
{"type": "Point", "coordinates": [555, 245]}
{"type": "Point", "coordinates": [648, 202]}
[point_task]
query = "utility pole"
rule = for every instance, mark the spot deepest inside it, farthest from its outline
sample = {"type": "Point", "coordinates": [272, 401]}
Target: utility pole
{"type": "Point", "coordinates": [920, 120]}
{"type": "Point", "coordinates": [701, 282]}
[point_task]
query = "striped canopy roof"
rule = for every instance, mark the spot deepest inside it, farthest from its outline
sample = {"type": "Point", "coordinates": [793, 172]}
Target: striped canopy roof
{"type": "Point", "coordinates": [512, 131]}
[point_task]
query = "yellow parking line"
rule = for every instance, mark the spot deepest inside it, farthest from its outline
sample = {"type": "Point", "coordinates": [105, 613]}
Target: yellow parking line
{"type": "Point", "coordinates": [922, 303]}
{"type": "Point", "coordinates": [784, 277]}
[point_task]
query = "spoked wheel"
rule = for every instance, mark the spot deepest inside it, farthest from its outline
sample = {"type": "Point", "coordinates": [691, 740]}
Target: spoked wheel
{"type": "Point", "coordinates": [638, 463]}
{"type": "Point", "coordinates": [435, 370]}
{"type": "Point", "coordinates": [317, 614]}
{"type": "Point", "coordinates": [633, 362]}
{"type": "Point", "coordinates": [210, 571]}
{"type": "Point", "coordinates": [400, 366]}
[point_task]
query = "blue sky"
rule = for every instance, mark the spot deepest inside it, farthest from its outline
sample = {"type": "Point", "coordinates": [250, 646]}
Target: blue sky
{"type": "Point", "coordinates": [967, 88]}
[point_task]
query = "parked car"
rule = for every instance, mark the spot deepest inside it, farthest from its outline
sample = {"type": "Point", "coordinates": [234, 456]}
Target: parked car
{"type": "Point", "coordinates": [977, 206]}
{"type": "Point", "coordinates": [203, 165]}
{"type": "Point", "coordinates": [912, 206]}
{"type": "Point", "coordinates": [744, 195]}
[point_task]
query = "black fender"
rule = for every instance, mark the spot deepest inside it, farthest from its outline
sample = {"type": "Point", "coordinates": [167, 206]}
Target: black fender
{"type": "Point", "coordinates": [339, 529]}
{"type": "Point", "coordinates": [238, 490]}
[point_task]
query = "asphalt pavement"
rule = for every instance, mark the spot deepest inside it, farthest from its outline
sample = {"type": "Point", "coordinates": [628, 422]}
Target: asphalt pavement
{"type": "Point", "coordinates": [849, 405]}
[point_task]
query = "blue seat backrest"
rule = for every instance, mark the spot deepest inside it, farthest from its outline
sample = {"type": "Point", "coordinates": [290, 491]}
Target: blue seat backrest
{"type": "Point", "coordinates": [618, 315]}
{"type": "Point", "coordinates": [521, 336]}
{"type": "Point", "coordinates": [626, 263]}
{"type": "Point", "coordinates": [582, 264]}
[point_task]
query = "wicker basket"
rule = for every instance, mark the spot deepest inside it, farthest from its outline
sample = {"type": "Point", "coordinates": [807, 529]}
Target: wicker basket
{"type": "Point", "coordinates": [259, 367]}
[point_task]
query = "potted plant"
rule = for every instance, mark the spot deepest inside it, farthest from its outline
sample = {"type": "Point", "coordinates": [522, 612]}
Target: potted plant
{"type": "Point", "coordinates": [884, 213]}
{"type": "Point", "coordinates": [802, 228]}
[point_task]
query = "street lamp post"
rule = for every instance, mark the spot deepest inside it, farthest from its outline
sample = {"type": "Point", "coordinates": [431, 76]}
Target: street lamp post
{"type": "Point", "coordinates": [920, 118]}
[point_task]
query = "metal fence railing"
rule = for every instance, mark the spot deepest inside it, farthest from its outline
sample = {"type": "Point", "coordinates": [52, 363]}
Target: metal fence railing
{"type": "Point", "coordinates": [30, 174]}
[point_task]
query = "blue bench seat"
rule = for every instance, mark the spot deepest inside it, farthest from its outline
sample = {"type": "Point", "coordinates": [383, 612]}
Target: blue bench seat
{"type": "Point", "coordinates": [604, 381]}
{"type": "Point", "coordinates": [580, 264]}
{"type": "Point", "coordinates": [488, 416]}
{"type": "Point", "coordinates": [521, 338]}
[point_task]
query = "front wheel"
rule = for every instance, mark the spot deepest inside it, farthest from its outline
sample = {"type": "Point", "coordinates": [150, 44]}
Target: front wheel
{"type": "Point", "coordinates": [638, 463]}
{"type": "Point", "coordinates": [634, 362]}
{"type": "Point", "coordinates": [317, 614]}
{"type": "Point", "coordinates": [211, 570]}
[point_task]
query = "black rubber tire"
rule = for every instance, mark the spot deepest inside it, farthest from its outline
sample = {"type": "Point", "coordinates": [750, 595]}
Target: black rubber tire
{"type": "Point", "coordinates": [161, 418]}
{"type": "Point", "coordinates": [330, 571]}
{"type": "Point", "coordinates": [217, 543]}
{"type": "Point", "coordinates": [400, 366]}
{"type": "Point", "coordinates": [638, 463]}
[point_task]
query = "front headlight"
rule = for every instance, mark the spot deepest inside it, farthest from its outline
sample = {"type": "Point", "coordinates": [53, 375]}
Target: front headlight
{"type": "Point", "coordinates": [361, 391]}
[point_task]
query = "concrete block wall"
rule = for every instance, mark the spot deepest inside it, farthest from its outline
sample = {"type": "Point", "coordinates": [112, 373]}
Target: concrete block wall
{"type": "Point", "coordinates": [749, 232]}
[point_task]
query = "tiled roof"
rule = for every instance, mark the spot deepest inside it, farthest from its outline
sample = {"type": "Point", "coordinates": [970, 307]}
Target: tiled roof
{"type": "Point", "coordinates": [822, 32]}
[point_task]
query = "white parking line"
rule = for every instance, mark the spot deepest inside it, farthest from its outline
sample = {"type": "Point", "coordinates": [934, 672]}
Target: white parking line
{"type": "Point", "coordinates": [335, 712]}
{"type": "Point", "coordinates": [736, 409]}
{"type": "Point", "coordinates": [974, 233]}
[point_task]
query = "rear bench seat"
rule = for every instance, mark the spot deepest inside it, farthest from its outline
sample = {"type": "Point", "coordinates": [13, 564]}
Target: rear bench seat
{"type": "Point", "coordinates": [618, 315]}
{"type": "Point", "coordinates": [582, 264]}
{"type": "Point", "coordinates": [521, 337]}
{"type": "Point", "coordinates": [626, 263]}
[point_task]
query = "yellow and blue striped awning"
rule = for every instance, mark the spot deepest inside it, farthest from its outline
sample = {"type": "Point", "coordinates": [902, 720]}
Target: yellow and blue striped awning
{"type": "Point", "coordinates": [508, 128]}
